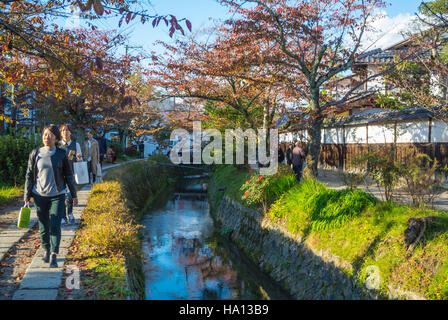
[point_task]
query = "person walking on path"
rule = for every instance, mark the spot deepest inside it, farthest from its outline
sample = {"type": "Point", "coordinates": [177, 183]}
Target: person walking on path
{"type": "Point", "coordinates": [289, 155]}
{"type": "Point", "coordinates": [110, 155]}
{"type": "Point", "coordinates": [102, 144]}
{"type": "Point", "coordinates": [74, 154]}
{"type": "Point", "coordinates": [281, 155]}
{"type": "Point", "coordinates": [91, 154]}
{"type": "Point", "coordinates": [47, 176]}
{"type": "Point", "coordinates": [297, 160]}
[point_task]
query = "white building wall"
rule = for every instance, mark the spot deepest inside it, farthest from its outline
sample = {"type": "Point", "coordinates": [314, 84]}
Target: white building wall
{"type": "Point", "coordinates": [413, 132]}
{"type": "Point", "coordinates": [381, 133]}
{"type": "Point", "coordinates": [407, 132]}
{"type": "Point", "coordinates": [334, 136]}
{"type": "Point", "coordinates": [355, 134]}
{"type": "Point", "coordinates": [435, 87]}
{"type": "Point", "coordinates": [281, 137]}
{"type": "Point", "coordinates": [439, 132]}
{"type": "Point", "coordinates": [378, 83]}
{"type": "Point", "coordinates": [302, 136]}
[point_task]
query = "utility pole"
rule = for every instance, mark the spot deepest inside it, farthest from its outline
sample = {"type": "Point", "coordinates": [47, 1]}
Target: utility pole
{"type": "Point", "coordinates": [126, 47]}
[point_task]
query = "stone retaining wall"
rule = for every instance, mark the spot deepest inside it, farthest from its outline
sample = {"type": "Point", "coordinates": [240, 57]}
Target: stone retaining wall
{"type": "Point", "coordinates": [306, 273]}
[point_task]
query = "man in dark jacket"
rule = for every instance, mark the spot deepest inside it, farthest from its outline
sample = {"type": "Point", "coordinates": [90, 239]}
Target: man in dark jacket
{"type": "Point", "coordinates": [297, 160]}
{"type": "Point", "coordinates": [102, 144]}
{"type": "Point", "coordinates": [289, 155]}
{"type": "Point", "coordinates": [281, 155]}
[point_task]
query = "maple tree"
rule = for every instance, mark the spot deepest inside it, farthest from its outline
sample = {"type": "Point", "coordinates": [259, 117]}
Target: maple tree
{"type": "Point", "coordinates": [28, 32]}
{"type": "Point", "coordinates": [318, 40]}
{"type": "Point", "coordinates": [227, 80]}
{"type": "Point", "coordinates": [24, 24]}
{"type": "Point", "coordinates": [98, 96]}
{"type": "Point", "coordinates": [434, 13]}
{"type": "Point", "coordinates": [423, 80]}
{"type": "Point", "coordinates": [147, 119]}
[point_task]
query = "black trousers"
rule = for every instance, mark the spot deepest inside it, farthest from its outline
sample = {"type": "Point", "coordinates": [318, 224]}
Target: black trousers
{"type": "Point", "coordinates": [50, 211]}
{"type": "Point", "coordinates": [298, 171]}
{"type": "Point", "coordinates": [89, 166]}
{"type": "Point", "coordinates": [69, 203]}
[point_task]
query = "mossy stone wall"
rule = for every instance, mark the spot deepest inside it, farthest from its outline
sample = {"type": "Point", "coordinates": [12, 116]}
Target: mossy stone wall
{"type": "Point", "coordinates": [305, 272]}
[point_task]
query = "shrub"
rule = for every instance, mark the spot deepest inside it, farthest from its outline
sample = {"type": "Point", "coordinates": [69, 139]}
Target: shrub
{"type": "Point", "coordinates": [383, 168]}
{"type": "Point", "coordinates": [264, 190]}
{"type": "Point", "coordinates": [353, 178]}
{"type": "Point", "coordinates": [158, 158]}
{"type": "Point", "coordinates": [143, 182]}
{"type": "Point", "coordinates": [131, 151]}
{"type": "Point", "coordinates": [421, 182]}
{"type": "Point", "coordinates": [14, 153]}
{"type": "Point", "coordinates": [108, 226]}
{"type": "Point", "coordinates": [117, 147]}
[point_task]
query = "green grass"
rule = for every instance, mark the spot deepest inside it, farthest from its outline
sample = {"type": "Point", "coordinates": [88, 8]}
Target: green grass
{"type": "Point", "coordinates": [8, 194]}
{"type": "Point", "coordinates": [232, 179]}
{"type": "Point", "coordinates": [362, 231]}
{"type": "Point", "coordinates": [123, 157]}
{"type": "Point", "coordinates": [110, 280]}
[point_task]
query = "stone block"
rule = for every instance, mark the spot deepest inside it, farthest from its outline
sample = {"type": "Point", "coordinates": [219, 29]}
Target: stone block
{"type": "Point", "coordinates": [42, 278]}
{"type": "Point", "coordinates": [39, 294]}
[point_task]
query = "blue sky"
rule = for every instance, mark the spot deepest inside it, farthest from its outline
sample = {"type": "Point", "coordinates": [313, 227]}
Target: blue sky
{"type": "Point", "coordinates": [203, 13]}
{"type": "Point", "coordinates": [199, 12]}
{"type": "Point", "coordinates": [402, 6]}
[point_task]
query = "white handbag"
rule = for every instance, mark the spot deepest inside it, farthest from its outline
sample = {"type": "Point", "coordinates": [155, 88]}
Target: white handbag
{"type": "Point", "coordinates": [80, 172]}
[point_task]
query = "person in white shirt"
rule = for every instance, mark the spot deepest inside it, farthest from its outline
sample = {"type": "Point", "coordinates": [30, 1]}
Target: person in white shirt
{"type": "Point", "coordinates": [74, 153]}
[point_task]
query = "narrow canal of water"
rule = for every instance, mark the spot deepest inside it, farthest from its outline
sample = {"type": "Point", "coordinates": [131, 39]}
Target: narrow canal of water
{"type": "Point", "coordinates": [186, 259]}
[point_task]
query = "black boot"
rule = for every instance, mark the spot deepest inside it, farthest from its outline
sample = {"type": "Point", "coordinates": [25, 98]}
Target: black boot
{"type": "Point", "coordinates": [46, 256]}
{"type": "Point", "coordinates": [53, 263]}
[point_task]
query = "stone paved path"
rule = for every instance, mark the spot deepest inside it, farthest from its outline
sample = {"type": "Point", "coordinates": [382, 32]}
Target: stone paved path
{"type": "Point", "coordinates": [12, 234]}
{"type": "Point", "coordinates": [41, 282]}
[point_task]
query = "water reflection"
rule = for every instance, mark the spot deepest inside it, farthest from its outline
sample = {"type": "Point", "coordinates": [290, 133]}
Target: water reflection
{"type": "Point", "coordinates": [183, 259]}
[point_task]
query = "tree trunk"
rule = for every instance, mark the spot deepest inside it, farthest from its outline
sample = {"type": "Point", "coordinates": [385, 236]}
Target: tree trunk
{"type": "Point", "coordinates": [312, 158]}
{"type": "Point", "coordinates": [314, 133]}
{"type": "Point", "coordinates": [80, 137]}
{"type": "Point", "coordinates": [266, 117]}
{"type": "Point", "coordinates": [122, 135]}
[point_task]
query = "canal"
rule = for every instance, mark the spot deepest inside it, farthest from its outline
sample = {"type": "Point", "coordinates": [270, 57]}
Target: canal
{"type": "Point", "coordinates": [185, 258]}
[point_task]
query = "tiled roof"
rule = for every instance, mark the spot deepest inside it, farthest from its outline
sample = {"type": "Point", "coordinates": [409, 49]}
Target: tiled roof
{"type": "Point", "coordinates": [382, 115]}
{"type": "Point", "coordinates": [375, 56]}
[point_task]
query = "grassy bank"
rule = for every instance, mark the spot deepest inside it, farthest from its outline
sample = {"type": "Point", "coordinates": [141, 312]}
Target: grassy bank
{"type": "Point", "coordinates": [8, 194]}
{"type": "Point", "coordinates": [108, 242]}
{"type": "Point", "coordinates": [360, 230]}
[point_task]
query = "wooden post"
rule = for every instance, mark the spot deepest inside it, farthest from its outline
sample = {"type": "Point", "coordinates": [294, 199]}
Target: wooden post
{"type": "Point", "coordinates": [344, 149]}
{"type": "Point", "coordinates": [395, 140]}
{"type": "Point", "coordinates": [367, 137]}
{"type": "Point", "coordinates": [430, 130]}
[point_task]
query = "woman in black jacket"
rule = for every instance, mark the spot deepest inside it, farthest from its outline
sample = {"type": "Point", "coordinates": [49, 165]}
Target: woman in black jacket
{"type": "Point", "coordinates": [47, 176]}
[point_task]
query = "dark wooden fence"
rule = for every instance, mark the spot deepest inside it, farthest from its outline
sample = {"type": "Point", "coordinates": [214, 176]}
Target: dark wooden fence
{"type": "Point", "coordinates": [338, 156]}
